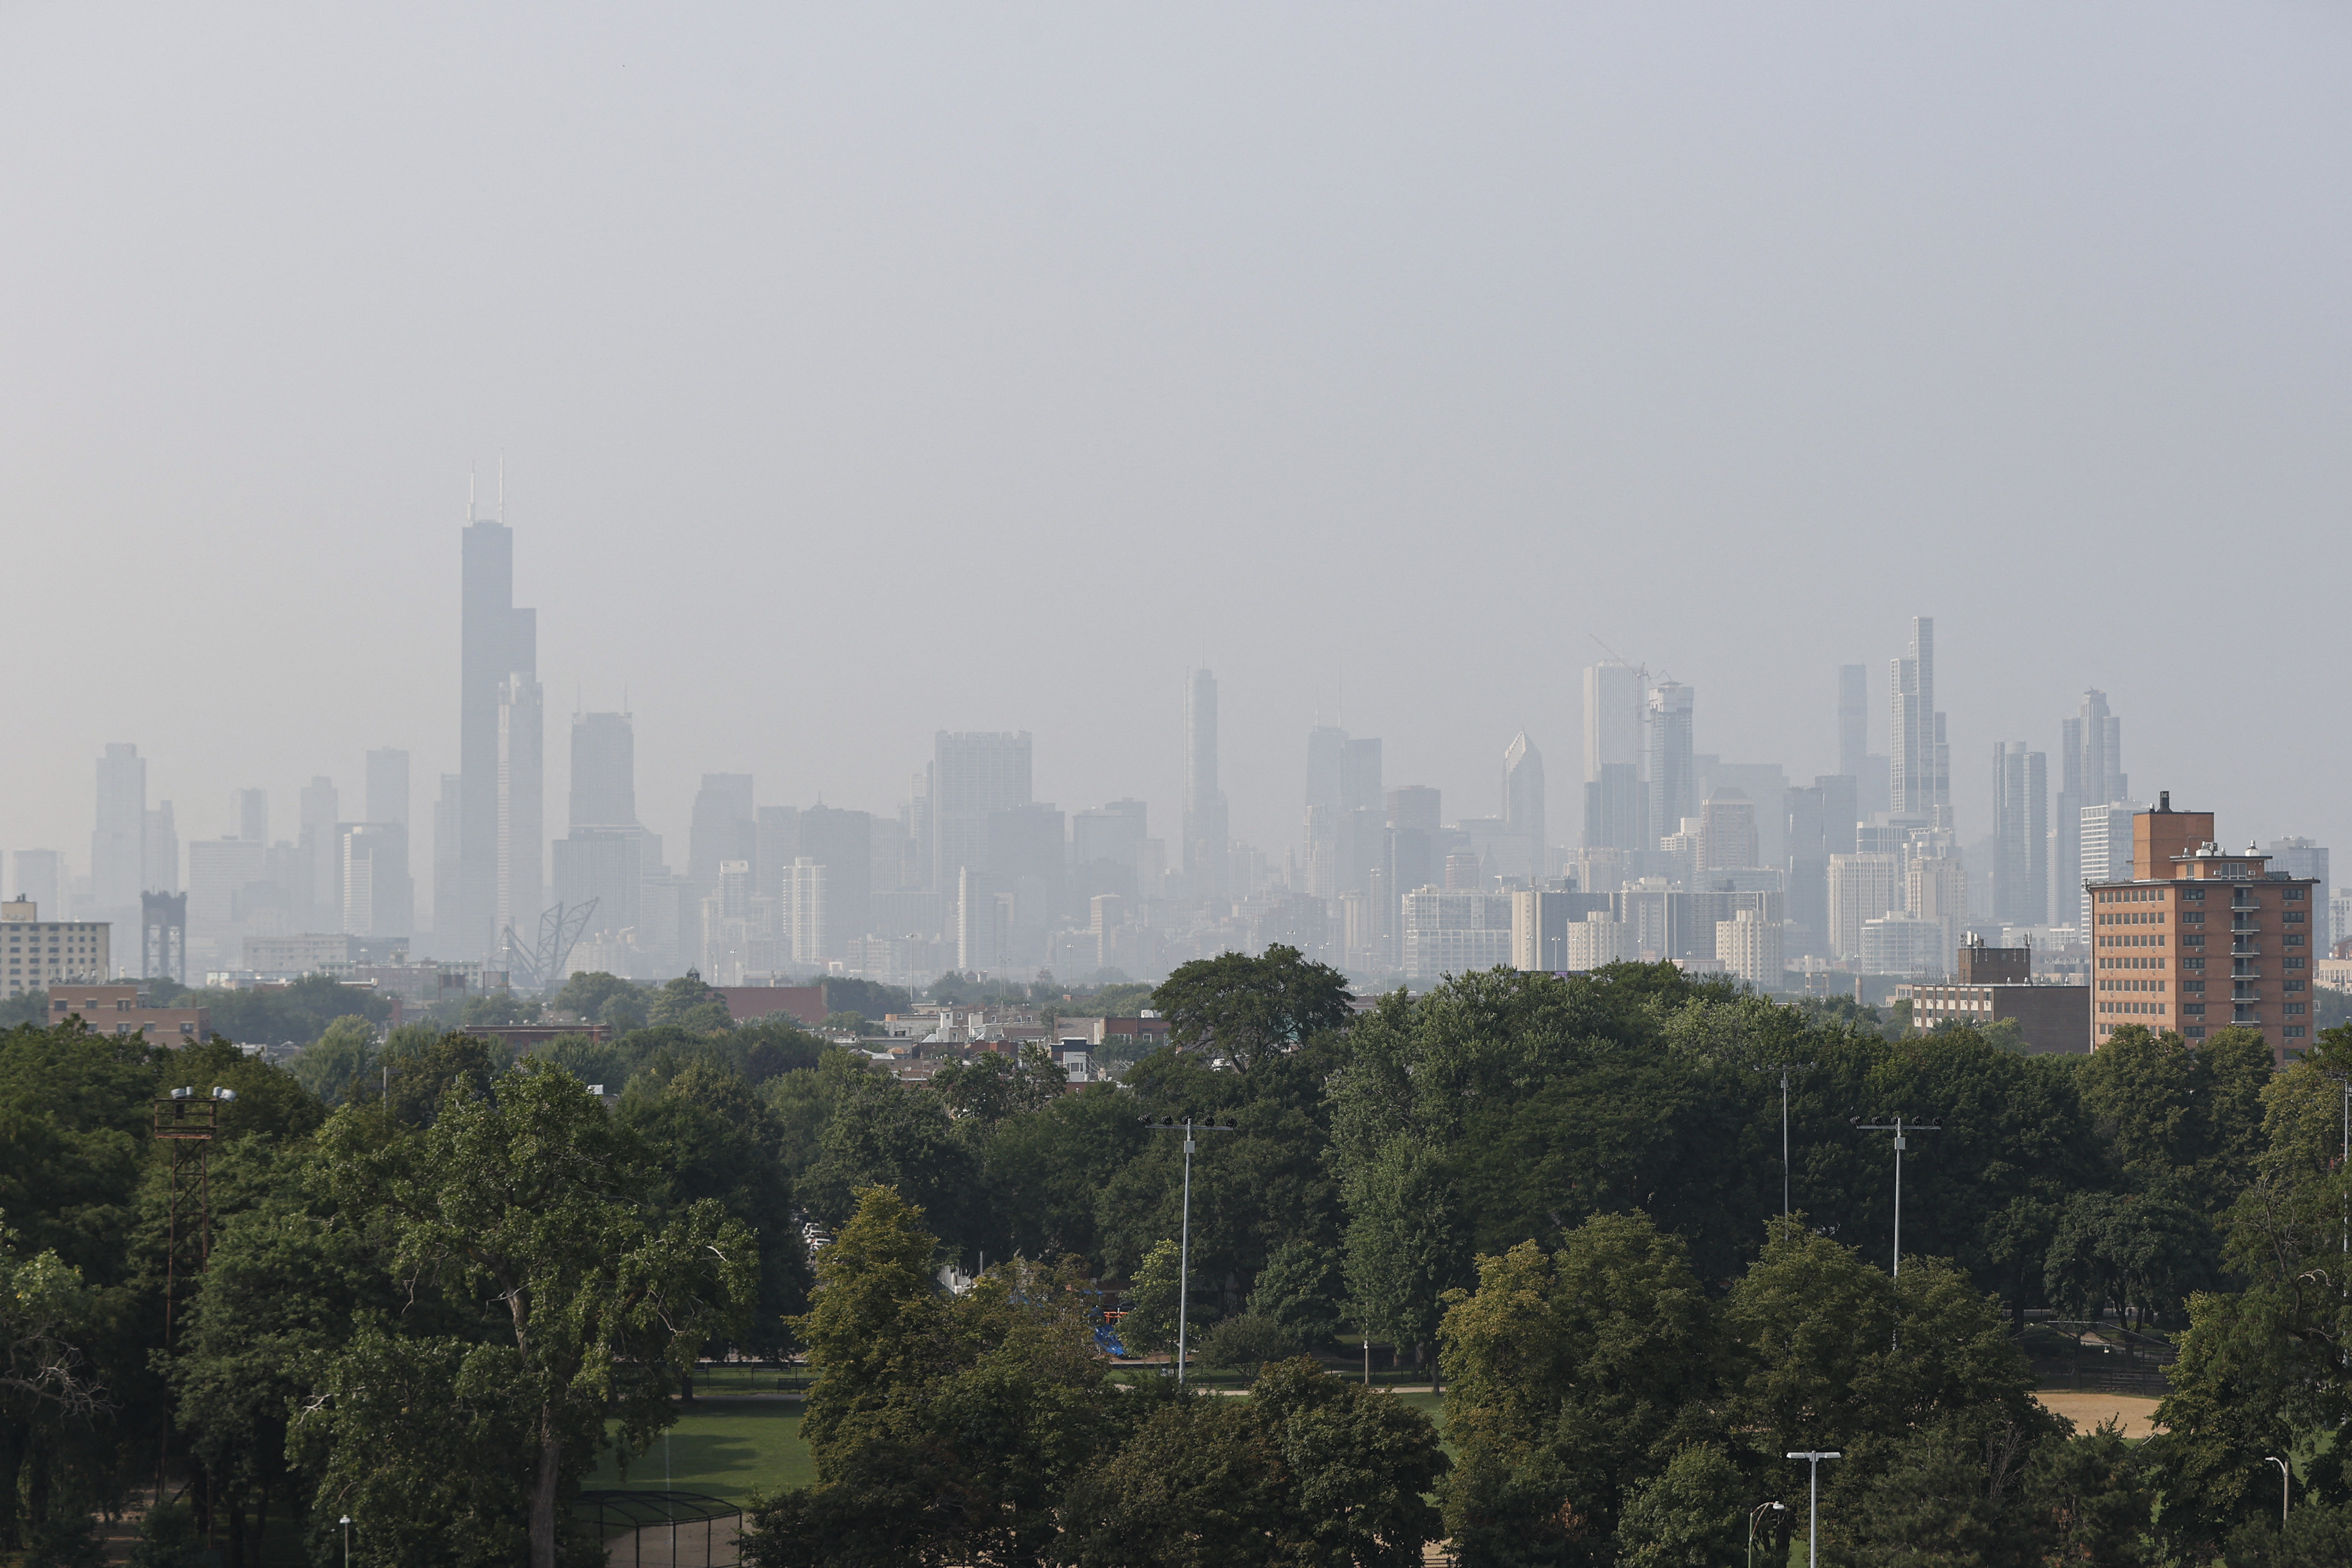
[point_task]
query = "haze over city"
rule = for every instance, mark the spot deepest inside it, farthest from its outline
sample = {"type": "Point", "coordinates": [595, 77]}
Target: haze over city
{"type": "Point", "coordinates": [856, 376]}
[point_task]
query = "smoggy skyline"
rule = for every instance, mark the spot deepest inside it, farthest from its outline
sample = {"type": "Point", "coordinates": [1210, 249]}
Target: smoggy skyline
{"type": "Point", "coordinates": [862, 376]}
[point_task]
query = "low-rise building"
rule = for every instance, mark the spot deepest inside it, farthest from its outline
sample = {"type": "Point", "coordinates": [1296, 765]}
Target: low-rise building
{"type": "Point", "coordinates": [307, 953]}
{"type": "Point", "coordinates": [1996, 984]}
{"type": "Point", "coordinates": [125, 1009]}
{"type": "Point", "coordinates": [41, 954]}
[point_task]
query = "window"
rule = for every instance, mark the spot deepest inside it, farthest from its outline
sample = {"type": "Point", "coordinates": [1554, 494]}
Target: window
{"type": "Point", "coordinates": [2295, 1032]}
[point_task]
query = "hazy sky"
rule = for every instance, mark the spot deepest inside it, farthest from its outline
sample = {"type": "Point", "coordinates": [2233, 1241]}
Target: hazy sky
{"type": "Point", "coordinates": [865, 370]}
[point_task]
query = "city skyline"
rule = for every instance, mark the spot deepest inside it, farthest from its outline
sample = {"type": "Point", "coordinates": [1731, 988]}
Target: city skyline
{"type": "Point", "coordinates": [1624, 334]}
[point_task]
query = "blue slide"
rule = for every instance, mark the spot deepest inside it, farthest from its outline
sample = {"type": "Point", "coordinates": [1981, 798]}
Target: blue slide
{"type": "Point", "coordinates": [1107, 1342]}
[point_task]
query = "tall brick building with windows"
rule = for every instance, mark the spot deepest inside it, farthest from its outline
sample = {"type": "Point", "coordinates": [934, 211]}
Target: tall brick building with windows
{"type": "Point", "coordinates": [2202, 939]}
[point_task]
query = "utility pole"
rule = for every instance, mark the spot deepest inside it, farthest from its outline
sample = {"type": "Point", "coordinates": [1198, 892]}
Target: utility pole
{"type": "Point", "coordinates": [1814, 1506]}
{"type": "Point", "coordinates": [1184, 1247]}
{"type": "Point", "coordinates": [1900, 1127]}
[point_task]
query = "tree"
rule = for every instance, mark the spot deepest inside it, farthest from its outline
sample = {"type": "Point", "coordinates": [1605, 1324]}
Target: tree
{"type": "Point", "coordinates": [1405, 1244]}
{"type": "Point", "coordinates": [1152, 1298]}
{"type": "Point", "coordinates": [687, 1003]}
{"type": "Point", "coordinates": [536, 1201]}
{"type": "Point", "coordinates": [332, 1066]}
{"type": "Point", "coordinates": [1303, 1291]}
{"type": "Point", "coordinates": [1361, 1465]}
{"type": "Point", "coordinates": [1246, 1009]}
{"type": "Point", "coordinates": [1687, 1515]}
{"type": "Point", "coordinates": [591, 992]}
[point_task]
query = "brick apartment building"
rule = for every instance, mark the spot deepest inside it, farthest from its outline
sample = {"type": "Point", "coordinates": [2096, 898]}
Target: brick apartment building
{"type": "Point", "coordinates": [123, 1009]}
{"type": "Point", "coordinates": [2200, 939]}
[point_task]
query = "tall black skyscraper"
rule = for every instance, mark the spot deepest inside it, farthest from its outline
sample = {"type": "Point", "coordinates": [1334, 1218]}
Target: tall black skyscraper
{"type": "Point", "coordinates": [498, 642]}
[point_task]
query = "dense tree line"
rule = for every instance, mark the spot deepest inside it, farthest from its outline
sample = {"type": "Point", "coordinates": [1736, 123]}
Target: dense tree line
{"type": "Point", "coordinates": [1566, 1196]}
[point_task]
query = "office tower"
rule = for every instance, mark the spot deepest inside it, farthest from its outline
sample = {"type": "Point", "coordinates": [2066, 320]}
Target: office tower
{"type": "Point", "coordinates": [393, 901]}
{"type": "Point", "coordinates": [2090, 773]}
{"type": "Point", "coordinates": [1027, 860]}
{"type": "Point", "coordinates": [387, 786]}
{"type": "Point", "coordinates": [521, 809]}
{"type": "Point", "coordinates": [2020, 835]}
{"type": "Point", "coordinates": [1326, 759]}
{"type": "Point", "coordinates": [1853, 720]}
{"type": "Point", "coordinates": [1414, 806]}
{"type": "Point", "coordinates": [249, 810]}
{"type": "Point", "coordinates": [603, 864]}
{"type": "Point", "coordinates": [1806, 812]}
{"type": "Point", "coordinates": [841, 844]}
{"type": "Point", "coordinates": [218, 870]}
{"type": "Point", "coordinates": [1765, 784]}
{"type": "Point", "coordinates": [776, 843]}
{"type": "Point", "coordinates": [1673, 780]}
{"type": "Point", "coordinates": [1614, 698]}
{"type": "Point", "coordinates": [921, 842]}
{"type": "Point", "coordinates": [1453, 933]}
{"type": "Point", "coordinates": [2103, 833]}
{"type": "Point", "coordinates": [984, 919]}
{"type": "Point", "coordinates": [1937, 889]}
{"type": "Point", "coordinates": [1103, 846]}
{"type": "Point", "coordinates": [41, 878]}
{"type": "Point", "coordinates": [974, 775]}
{"type": "Point", "coordinates": [448, 869]}
{"type": "Point", "coordinates": [1921, 778]}
{"type": "Point", "coordinates": [725, 827]}
{"type": "Point", "coordinates": [319, 901]}
{"type": "Point", "coordinates": [807, 921]}
{"type": "Point", "coordinates": [1206, 835]}
{"type": "Point", "coordinates": [1617, 809]}
{"type": "Point", "coordinates": [603, 770]}
{"type": "Point", "coordinates": [158, 851]}
{"type": "Point", "coordinates": [2307, 861]}
{"type": "Point", "coordinates": [2189, 936]}
{"type": "Point", "coordinates": [377, 899]}
{"type": "Point", "coordinates": [1862, 887]}
{"type": "Point", "coordinates": [1750, 945]}
{"type": "Point", "coordinates": [499, 643]}
{"type": "Point", "coordinates": [1726, 832]}
{"type": "Point", "coordinates": [1523, 800]}
{"type": "Point", "coordinates": [118, 845]}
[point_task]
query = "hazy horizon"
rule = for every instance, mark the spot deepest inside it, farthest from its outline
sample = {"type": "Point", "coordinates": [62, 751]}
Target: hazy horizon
{"type": "Point", "coordinates": [862, 374]}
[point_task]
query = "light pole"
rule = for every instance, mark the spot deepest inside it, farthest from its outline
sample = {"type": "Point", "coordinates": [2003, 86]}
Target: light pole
{"type": "Point", "coordinates": [1759, 1512]}
{"type": "Point", "coordinates": [2275, 1460]}
{"type": "Point", "coordinates": [1813, 1503]}
{"type": "Point", "coordinates": [1184, 1246]}
{"type": "Point", "coordinates": [347, 1541]}
{"type": "Point", "coordinates": [1784, 1070]}
{"type": "Point", "coordinates": [1899, 1127]}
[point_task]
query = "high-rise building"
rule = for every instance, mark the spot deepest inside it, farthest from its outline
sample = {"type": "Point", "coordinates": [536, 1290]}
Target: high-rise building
{"type": "Point", "coordinates": [319, 899]}
{"type": "Point", "coordinates": [392, 898]}
{"type": "Point", "coordinates": [1727, 831]}
{"type": "Point", "coordinates": [249, 809]}
{"type": "Point", "coordinates": [1414, 806]}
{"type": "Point", "coordinates": [1523, 800]}
{"type": "Point", "coordinates": [2307, 860]}
{"type": "Point", "coordinates": [1455, 934]}
{"type": "Point", "coordinates": [841, 844]}
{"type": "Point", "coordinates": [377, 899]}
{"type": "Point", "coordinates": [118, 845]}
{"type": "Point", "coordinates": [1615, 698]}
{"type": "Point", "coordinates": [40, 878]}
{"type": "Point", "coordinates": [1853, 720]}
{"type": "Point", "coordinates": [2194, 938]}
{"type": "Point", "coordinates": [2021, 833]}
{"type": "Point", "coordinates": [449, 871]}
{"type": "Point", "coordinates": [521, 808]}
{"type": "Point", "coordinates": [2090, 773]}
{"type": "Point", "coordinates": [1617, 809]}
{"type": "Point", "coordinates": [159, 852]}
{"type": "Point", "coordinates": [1862, 888]}
{"type": "Point", "coordinates": [806, 884]}
{"type": "Point", "coordinates": [387, 786]}
{"type": "Point", "coordinates": [1206, 835]}
{"type": "Point", "coordinates": [1748, 944]}
{"type": "Point", "coordinates": [1103, 845]}
{"type": "Point", "coordinates": [1673, 773]}
{"type": "Point", "coordinates": [1937, 889]}
{"type": "Point", "coordinates": [725, 827]}
{"type": "Point", "coordinates": [1922, 775]}
{"type": "Point", "coordinates": [974, 775]}
{"type": "Point", "coordinates": [499, 643]}
{"type": "Point", "coordinates": [2105, 835]}
{"type": "Point", "coordinates": [603, 770]}
{"type": "Point", "coordinates": [218, 870]}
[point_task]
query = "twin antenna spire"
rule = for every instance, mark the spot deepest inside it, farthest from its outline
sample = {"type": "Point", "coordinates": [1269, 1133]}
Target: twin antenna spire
{"type": "Point", "coordinates": [470, 511]}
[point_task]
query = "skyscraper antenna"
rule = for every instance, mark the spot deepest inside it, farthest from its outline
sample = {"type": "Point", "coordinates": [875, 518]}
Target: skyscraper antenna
{"type": "Point", "coordinates": [502, 486]}
{"type": "Point", "coordinates": [469, 492]}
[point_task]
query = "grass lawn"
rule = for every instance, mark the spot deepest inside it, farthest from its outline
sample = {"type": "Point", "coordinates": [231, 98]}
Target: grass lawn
{"type": "Point", "coordinates": [727, 1448]}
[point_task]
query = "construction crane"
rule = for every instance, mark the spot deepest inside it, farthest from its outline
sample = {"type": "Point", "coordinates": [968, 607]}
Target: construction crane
{"type": "Point", "coordinates": [541, 968]}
